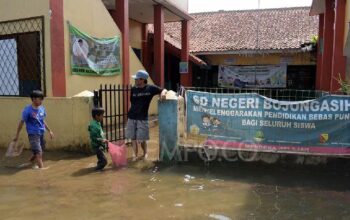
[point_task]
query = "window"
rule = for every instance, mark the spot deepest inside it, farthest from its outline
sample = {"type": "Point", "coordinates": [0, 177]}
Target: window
{"type": "Point", "coordinates": [21, 57]}
{"type": "Point", "coordinates": [9, 83]}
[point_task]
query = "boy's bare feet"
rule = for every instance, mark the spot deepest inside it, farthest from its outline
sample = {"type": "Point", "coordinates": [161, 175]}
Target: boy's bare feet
{"type": "Point", "coordinates": [32, 160]}
{"type": "Point", "coordinates": [145, 156]}
{"type": "Point", "coordinates": [36, 167]}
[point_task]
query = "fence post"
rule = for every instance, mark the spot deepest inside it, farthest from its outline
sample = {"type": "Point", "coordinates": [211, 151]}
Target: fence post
{"type": "Point", "coordinates": [96, 99]}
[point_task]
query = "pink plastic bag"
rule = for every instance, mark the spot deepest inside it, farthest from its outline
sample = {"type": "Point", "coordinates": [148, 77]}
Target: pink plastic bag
{"type": "Point", "coordinates": [118, 154]}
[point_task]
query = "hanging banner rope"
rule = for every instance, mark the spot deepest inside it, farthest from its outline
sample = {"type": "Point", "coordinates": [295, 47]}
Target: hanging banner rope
{"type": "Point", "coordinates": [91, 56]}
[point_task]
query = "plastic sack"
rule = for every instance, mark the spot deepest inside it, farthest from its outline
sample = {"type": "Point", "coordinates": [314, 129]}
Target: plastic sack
{"type": "Point", "coordinates": [14, 149]}
{"type": "Point", "coordinates": [118, 154]}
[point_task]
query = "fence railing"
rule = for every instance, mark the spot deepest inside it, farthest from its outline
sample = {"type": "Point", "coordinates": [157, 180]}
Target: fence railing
{"type": "Point", "coordinates": [115, 101]}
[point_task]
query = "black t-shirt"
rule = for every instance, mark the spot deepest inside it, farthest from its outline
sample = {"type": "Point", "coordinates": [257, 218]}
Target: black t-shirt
{"type": "Point", "coordinates": [140, 99]}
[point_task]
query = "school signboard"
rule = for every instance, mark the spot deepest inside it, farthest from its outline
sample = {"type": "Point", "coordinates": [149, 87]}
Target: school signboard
{"type": "Point", "coordinates": [256, 123]}
{"type": "Point", "coordinates": [260, 76]}
{"type": "Point", "coordinates": [92, 56]}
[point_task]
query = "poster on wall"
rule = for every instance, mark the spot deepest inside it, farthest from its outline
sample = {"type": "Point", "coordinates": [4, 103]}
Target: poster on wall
{"type": "Point", "coordinates": [92, 56]}
{"type": "Point", "coordinates": [183, 66]}
{"type": "Point", "coordinates": [267, 76]}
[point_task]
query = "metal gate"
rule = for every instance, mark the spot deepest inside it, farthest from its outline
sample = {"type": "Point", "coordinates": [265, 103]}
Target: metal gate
{"type": "Point", "coordinates": [115, 101]}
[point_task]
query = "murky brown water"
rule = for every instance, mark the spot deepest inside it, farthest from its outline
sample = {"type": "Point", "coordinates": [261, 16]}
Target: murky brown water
{"type": "Point", "coordinates": [69, 189]}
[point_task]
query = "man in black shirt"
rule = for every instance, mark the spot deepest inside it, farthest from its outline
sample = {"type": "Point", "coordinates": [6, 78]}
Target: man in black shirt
{"type": "Point", "coordinates": [141, 96]}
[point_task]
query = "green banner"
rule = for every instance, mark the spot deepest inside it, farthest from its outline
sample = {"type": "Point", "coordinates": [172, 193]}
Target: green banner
{"type": "Point", "coordinates": [91, 56]}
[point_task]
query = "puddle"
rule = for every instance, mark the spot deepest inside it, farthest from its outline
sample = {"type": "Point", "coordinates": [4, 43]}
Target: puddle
{"type": "Point", "coordinates": [71, 189]}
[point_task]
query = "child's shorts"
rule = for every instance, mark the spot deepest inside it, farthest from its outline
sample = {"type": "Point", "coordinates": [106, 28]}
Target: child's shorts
{"type": "Point", "coordinates": [37, 143]}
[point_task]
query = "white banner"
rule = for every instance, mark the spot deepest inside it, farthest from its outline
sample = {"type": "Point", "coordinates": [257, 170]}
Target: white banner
{"type": "Point", "coordinates": [269, 76]}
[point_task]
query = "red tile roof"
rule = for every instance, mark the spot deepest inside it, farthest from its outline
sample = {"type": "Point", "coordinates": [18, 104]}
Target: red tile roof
{"type": "Point", "coordinates": [223, 31]}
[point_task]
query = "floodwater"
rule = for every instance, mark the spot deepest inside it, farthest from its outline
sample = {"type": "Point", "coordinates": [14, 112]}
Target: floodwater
{"type": "Point", "coordinates": [70, 189]}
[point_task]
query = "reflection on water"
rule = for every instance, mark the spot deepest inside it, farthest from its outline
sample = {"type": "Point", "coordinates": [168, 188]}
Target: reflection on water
{"type": "Point", "coordinates": [70, 189]}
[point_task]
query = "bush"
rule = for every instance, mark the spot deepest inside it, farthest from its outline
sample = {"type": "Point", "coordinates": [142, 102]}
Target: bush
{"type": "Point", "coordinates": [344, 85]}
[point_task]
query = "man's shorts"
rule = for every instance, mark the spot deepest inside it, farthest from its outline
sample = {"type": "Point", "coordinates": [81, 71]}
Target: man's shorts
{"type": "Point", "coordinates": [137, 130]}
{"type": "Point", "coordinates": [37, 143]}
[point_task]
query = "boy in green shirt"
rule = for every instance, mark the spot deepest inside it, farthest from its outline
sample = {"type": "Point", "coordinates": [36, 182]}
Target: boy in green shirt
{"type": "Point", "coordinates": [98, 141]}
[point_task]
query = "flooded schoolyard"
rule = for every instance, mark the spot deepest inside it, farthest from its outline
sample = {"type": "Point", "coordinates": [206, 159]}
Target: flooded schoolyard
{"type": "Point", "coordinates": [70, 189]}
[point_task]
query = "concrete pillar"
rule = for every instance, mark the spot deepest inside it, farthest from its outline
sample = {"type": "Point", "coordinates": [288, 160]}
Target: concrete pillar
{"type": "Point", "coordinates": [145, 52]}
{"type": "Point", "coordinates": [185, 78]}
{"type": "Point", "coordinates": [159, 45]}
{"type": "Point", "coordinates": [121, 17]}
{"type": "Point", "coordinates": [339, 60]}
{"type": "Point", "coordinates": [319, 52]}
{"type": "Point", "coordinates": [327, 56]}
{"type": "Point", "coordinates": [168, 130]}
{"type": "Point", "coordinates": [57, 49]}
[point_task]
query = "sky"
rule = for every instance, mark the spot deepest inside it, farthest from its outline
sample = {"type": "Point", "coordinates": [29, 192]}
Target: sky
{"type": "Point", "coordinates": [216, 5]}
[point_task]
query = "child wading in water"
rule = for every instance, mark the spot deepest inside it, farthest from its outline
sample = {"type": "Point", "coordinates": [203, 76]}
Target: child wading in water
{"type": "Point", "coordinates": [34, 117]}
{"type": "Point", "coordinates": [98, 142]}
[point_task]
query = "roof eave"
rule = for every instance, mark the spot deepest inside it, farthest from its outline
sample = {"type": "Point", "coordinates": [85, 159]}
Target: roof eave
{"type": "Point", "coordinates": [317, 7]}
{"type": "Point", "coordinates": [172, 8]}
{"type": "Point", "coordinates": [248, 52]}
{"type": "Point", "coordinates": [197, 60]}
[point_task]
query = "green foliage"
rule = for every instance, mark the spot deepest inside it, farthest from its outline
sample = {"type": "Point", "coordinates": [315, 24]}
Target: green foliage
{"type": "Point", "coordinates": [314, 39]}
{"type": "Point", "coordinates": [344, 85]}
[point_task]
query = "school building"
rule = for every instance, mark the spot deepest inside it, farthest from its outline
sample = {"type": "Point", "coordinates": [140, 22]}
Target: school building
{"type": "Point", "coordinates": [334, 43]}
{"type": "Point", "coordinates": [35, 53]}
{"type": "Point", "coordinates": [43, 24]}
{"type": "Point", "coordinates": [253, 38]}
